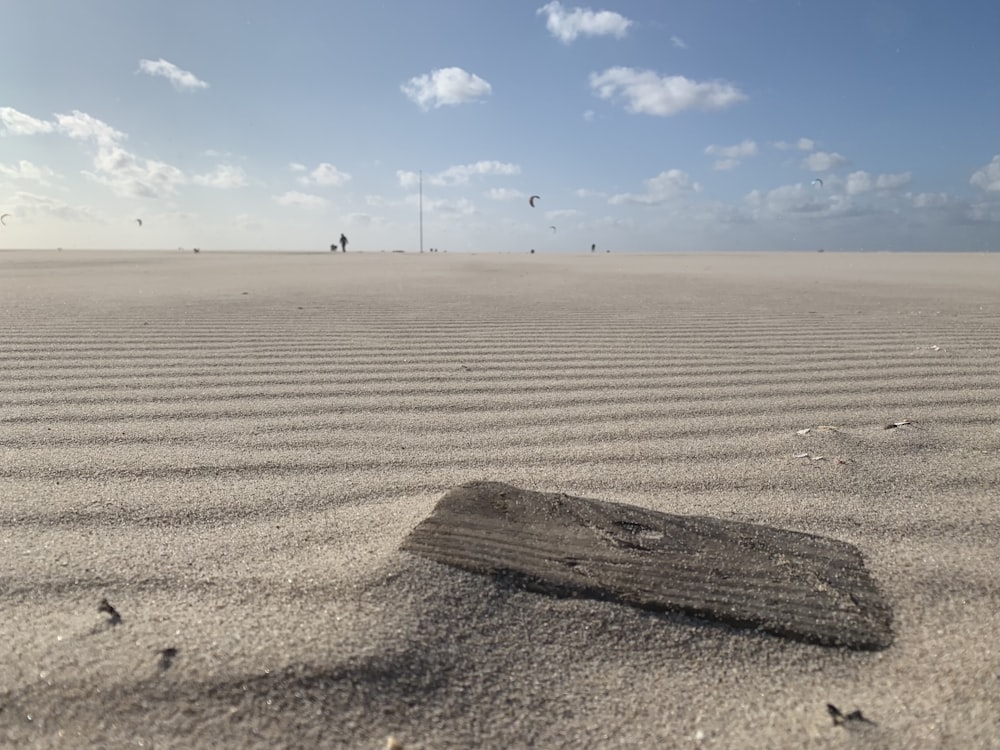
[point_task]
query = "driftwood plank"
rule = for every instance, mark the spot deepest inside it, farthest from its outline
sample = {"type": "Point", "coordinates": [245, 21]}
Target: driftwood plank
{"type": "Point", "coordinates": [787, 583]}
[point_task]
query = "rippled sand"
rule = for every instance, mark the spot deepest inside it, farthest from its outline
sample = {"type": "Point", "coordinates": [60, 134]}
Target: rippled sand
{"type": "Point", "coordinates": [230, 449]}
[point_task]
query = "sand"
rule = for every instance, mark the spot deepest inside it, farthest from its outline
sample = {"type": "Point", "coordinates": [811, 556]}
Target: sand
{"type": "Point", "coordinates": [231, 447]}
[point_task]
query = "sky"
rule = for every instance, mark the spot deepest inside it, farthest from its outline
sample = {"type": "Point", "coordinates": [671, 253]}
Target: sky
{"type": "Point", "coordinates": [642, 125]}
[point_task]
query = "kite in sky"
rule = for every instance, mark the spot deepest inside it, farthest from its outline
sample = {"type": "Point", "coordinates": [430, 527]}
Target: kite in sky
{"type": "Point", "coordinates": [2, 217]}
{"type": "Point", "coordinates": [532, 200]}
{"type": "Point", "coordinates": [139, 222]}
{"type": "Point", "coordinates": [817, 181]}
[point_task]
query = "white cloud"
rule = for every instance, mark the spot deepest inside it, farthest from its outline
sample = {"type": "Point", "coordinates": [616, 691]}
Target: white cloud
{"type": "Point", "coordinates": [121, 171]}
{"type": "Point", "coordinates": [802, 201]}
{"type": "Point", "coordinates": [247, 223]}
{"type": "Point", "coordinates": [325, 174]}
{"type": "Point", "coordinates": [589, 115]}
{"type": "Point", "coordinates": [82, 127]}
{"type": "Point", "coordinates": [128, 175]}
{"type": "Point", "coordinates": [821, 161]}
{"type": "Point", "coordinates": [504, 194]}
{"type": "Point", "coordinates": [18, 123]}
{"type": "Point", "coordinates": [983, 212]}
{"type": "Point", "coordinates": [928, 200]}
{"type": "Point", "coordinates": [787, 199]}
{"type": "Point", "coordinates": [445, 86]}
{"type": "Point", "coordinates": [567, 25]}
{"type": "Point", "coordinates": [459, 207]}
{"type": "Point", "coordinates": [862, 182]}
{"type": "Point", "coordinates": [664, 187]}
{"type": "Point", "coordinates": [988, 178]}
{"type": "Point", "coordinates": [563, 213]}
{"type": "Point", "coordinates": [30, 205]}
{"type": "Point", "coordinates": [858, 182]}
{"type": "Point", "coordinates": [892, 181]}
{"type": "Point", "coordinates": [646, 92]}
{"type": "Point", "coordinates": [296, 167]}
{"type": "Point", "coordinates": [407, 179]}
{"type": "Point", "coordinates": [461, 173]}
{"type": "Point", "coordinates": [359, 219]}
{"type": "Point", "coordinates": [587, 193]}
{"type": "Point", "coordinates": [740, 150]}
{"type": "Point", "coordinates": [224, 177]}
{"type": "Point", "coordinates": [304, 200]}
{"type": "Point", "coordinates": [678, 42]}
{"type": "Point", "coordinates": [731, 156]}
{"type": "Point", "coordinates": [802, 144]}
{"type": "Point", "coordinates": [182, 80]}
{"type": "Point", "coordinates": [25, 170]}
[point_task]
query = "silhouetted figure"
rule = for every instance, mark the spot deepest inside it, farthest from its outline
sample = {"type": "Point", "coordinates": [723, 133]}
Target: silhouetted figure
{"type": "Point", "coordinates": [333, 248]}
{"type": "Point", "coordinates": [593, 248]}
{"type": "Point", "coordinates": [343, 243]}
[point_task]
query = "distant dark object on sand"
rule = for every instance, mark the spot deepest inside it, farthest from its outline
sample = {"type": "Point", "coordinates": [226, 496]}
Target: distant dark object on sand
{"type": "Point", "coordinates": [532, 251]}
{"type": "Point", "coordinates": [801, 586]}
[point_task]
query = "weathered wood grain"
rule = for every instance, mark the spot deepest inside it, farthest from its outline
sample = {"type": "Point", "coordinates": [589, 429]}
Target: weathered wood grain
{"type": "Point", "coordinates": [787, 583]}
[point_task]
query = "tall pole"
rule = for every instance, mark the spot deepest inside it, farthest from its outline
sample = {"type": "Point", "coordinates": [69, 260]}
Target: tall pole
{"type": "Point", "coordinates": [421, 210]}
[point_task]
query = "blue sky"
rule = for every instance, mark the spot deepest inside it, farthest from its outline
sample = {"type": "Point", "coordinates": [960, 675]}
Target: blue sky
{"type": "Point", "coordinates": [643, 125]}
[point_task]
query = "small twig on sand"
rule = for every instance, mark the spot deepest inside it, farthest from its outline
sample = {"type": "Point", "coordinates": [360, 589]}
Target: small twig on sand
{"type": "Point", "coordinates": [113, 617]}
{"type": "Point", "coordinates": [818, 428]}
{"type": "Point", "coordinates": [167, 656]}
{"type": "Point", "coordinates": [840, 719]}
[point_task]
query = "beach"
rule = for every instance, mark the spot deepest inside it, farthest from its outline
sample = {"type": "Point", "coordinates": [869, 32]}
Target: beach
{"type": "Point", "coordinates": [229, 450]}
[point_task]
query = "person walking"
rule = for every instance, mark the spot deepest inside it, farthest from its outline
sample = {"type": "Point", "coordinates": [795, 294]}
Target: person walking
{"type": "Point", "coordinates": [343, 243]}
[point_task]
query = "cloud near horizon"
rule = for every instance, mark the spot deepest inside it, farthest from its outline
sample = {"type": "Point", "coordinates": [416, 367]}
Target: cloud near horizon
{"type": "Point", "coordinates": [126, 174]}
{"type": "Point", "coordinates": [988, 178]}
{"type": "Point", "coordinates": [224, 177]}
{"type": "Point", "coordinates": [31, 206]}
{"type": "Point", "coordinates": [26, 170]}
{"type": "Point", "coordinates": [646, 92]}
{"type": "Point", "coordinates": [301, 200]}
{"type": "Point", "coordinates": [459, 174]}
{"type": "Point", "coordinates": [666, 186]}
{"type": "Point", "coordinates": [325, 174]}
